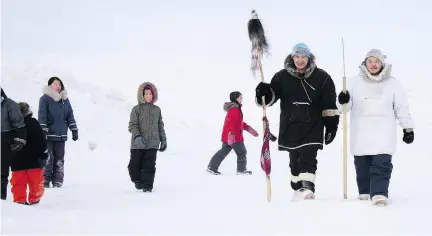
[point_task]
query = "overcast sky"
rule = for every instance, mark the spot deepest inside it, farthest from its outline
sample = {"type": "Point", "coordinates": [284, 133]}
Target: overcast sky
{"type": "Point", "coordinates": [115, 41]}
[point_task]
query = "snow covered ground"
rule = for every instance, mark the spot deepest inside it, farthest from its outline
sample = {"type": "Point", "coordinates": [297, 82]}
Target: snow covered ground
{"type": "Point", "coordinates": [103, 54]}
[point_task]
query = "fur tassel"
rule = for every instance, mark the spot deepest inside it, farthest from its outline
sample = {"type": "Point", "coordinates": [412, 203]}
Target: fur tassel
{"type": "Point", "coordinates": [257, 36]}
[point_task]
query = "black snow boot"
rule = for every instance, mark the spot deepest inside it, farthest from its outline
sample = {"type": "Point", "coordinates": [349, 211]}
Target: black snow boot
{"type": "Point", "coordinates": [57, 185]}
{"type": "Point", "coordinates": [307, 185]}
{"type": "Point", "coordinates": [23, 203]}
{"type": "Point", "coordinates": [214, 172]}
{"type": "Point", "coordinates": [138, 185]}
{"type": "Point", "coordinates": [245, 172]}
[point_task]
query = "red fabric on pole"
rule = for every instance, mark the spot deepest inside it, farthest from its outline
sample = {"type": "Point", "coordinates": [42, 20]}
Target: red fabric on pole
{"type": "Point", "coordinates": [265, 150]}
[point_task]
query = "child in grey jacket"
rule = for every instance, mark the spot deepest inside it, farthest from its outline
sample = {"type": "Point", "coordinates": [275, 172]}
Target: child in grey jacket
{"type": "Point", "coordinates": [148, 136]}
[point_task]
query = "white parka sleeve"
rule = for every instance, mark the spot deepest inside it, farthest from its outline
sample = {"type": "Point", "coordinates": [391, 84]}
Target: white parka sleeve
{"type": "Point", "coordinates": [401, 107]}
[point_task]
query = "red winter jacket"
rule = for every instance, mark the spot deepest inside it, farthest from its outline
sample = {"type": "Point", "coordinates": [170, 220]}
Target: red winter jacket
{"type": "Point", "coordinates": [233, 122]}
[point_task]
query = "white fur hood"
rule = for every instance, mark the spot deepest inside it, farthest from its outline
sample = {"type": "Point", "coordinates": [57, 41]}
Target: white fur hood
{"type": "Point", "coordinates": [47, 90]}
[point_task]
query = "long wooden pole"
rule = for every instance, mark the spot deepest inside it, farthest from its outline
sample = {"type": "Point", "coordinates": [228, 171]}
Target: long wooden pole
{"type": "Point", "coordinates": [345, 131]}
{"type": "Point", "coordinates": [264, 126]}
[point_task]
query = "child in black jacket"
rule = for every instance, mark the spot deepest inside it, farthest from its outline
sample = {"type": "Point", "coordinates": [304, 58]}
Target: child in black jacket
{"type": "Point", "coordinates": [27, 166]}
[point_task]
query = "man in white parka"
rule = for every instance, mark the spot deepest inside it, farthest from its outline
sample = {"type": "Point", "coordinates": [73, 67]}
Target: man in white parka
{"type": "Point", "coordinates": [375, 100]}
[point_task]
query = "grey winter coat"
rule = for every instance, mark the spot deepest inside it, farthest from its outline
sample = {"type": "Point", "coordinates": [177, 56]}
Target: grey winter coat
{"type": "Point", "coordinates": [56, 114]}
{"type": "Point", "coordinates": [146, 120]}
{"type": "Point", "coordinates": [11, 117]}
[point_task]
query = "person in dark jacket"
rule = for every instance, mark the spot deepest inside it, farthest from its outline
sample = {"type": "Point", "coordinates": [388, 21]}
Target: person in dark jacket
{"type": "Point", "coordinates": [56, 116]}
{"type": "Point", "coordinates": [307, 97]}
{"type": "Point", "coordinates": [13, 137]}
{"type": "Point", "coordinates": [148, 136]}
{"type": "Point", "coordinates": [27, 165]}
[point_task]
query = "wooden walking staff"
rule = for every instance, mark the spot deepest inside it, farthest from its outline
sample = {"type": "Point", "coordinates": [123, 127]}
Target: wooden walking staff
{"type": "Point", "coordinates": [345, 131]}
{"type": "Point", "coordinates": [259, 47]}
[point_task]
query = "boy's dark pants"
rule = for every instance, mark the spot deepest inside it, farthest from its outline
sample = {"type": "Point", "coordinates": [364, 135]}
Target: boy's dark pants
{"type": "Point", "coordinates": [303, 161]}
{"type": "Point", "coordinates": [373, 174]}
{"type": "Point", "coordinates": [219, 156]}
{"type": "Point", "coordinates": [142, 167]}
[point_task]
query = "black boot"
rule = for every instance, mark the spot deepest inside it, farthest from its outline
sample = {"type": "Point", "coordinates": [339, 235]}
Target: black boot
{"type": "Point", "coordinates": [214, 172]}
{"type": "Point", "coordinates": [307, 185]}
{"type": "Point", "coordinates": [296, 186]}
{"type": "Point", "coordinates": [138, 185]}
{"type": "Point", "coordinates": [245, 172]}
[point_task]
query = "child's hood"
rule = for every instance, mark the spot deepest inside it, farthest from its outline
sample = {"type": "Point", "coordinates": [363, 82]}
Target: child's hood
{"type": "Point", "coordinates": [228, 105]}
{"type": "Point", "coordinates": [140, 94]}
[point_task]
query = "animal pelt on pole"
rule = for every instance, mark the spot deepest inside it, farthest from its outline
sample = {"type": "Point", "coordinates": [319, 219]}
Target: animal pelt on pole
{"type": "Point", "coordinates": [257, 36]}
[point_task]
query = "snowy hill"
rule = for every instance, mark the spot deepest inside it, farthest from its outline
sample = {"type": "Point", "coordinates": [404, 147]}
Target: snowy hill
{"type": "Point", "coordinates": [195, 66]}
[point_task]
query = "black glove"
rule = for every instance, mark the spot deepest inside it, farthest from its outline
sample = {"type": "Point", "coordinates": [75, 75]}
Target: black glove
{"type": "Point", "coordinates": [263, 89]}
{"type": "Point", "coordinates": [408, 137]}
{"type": "Point", "coordinates": [74, 135]}
{"type": "Point", "coordinates": [163, 146]}
{"type": "Point", "coordinates": [17, 144]}
{"type": "Point", "coordinates": [272, 138]}
{"type": "Point", "coordinates": [343, 98]}
{"type": "Point", "coordinates": [329, 136]}
{"type": "Point", "coordinates": [42, 163]}
{"type": "Point", "coordinates": [331, 124]}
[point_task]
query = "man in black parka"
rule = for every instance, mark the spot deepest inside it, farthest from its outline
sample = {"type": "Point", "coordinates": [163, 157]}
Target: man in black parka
{"type": "Point", "coordinates": [308, 105]}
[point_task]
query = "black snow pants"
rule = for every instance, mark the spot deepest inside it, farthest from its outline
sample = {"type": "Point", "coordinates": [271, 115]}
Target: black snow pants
{"type": "Point", "coordinates": [303, 164]}
{"type": "Point", "coordinates": [142, 167]}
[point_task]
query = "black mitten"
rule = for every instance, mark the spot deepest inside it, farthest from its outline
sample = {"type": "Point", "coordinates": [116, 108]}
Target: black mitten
{"type": "Point", "coordinates": [263, 89]}
{"type": "Point", "coordinates": [331, 124]}
{"type": "Point", "coordinates": [329, 136]}
{"type": "Point", "coordinates": [408, 136]}
{"type": "Point", "coordinates": [343, 98]}
{"type": "Point", "coordinates": [74, 135]}
{"type": "Point", "coordinates": [163, 146]}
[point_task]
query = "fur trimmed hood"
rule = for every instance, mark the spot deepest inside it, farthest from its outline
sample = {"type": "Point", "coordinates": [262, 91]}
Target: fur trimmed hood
{"type": "Point", "coordinates": [292, 70]}
{"type": "Point", "coordinates": [228, 105]}
{"type": "Point", "coordinates": [25, 109]}
{"type": "Point", "coordinates": [140, 93]}
{"type": "Point", "coordinates": [383, 75]}
{"type": "Point", "coordinates": [47, 90]}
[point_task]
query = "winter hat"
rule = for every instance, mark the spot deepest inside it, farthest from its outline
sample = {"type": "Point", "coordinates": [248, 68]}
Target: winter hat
{"type": "Point", "coordinates": [234, 95]}
{"type": "Point", "coordinates": [302, 49]}
{"type": "Point", "coordinates": [52, 79]}
{"type": "Point", "coordinates": [25, 108]}
{"type": "Point", "coordinates": [377, 54]}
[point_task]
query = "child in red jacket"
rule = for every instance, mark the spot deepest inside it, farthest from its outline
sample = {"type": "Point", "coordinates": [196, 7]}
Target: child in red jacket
{"type": "Point", "coordinates": [232, 136]}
